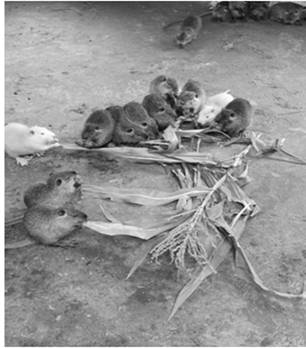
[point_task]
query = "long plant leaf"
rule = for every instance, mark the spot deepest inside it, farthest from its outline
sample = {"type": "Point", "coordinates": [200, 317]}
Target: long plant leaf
{"type": "Point", "coordinates": [143, 253]}
{"type": "Point", "coordinates": [119, 229]}
{"type": "Point", "coordinates": [108, 215]}
{"type": "Point", "coordinates": [156, 198]}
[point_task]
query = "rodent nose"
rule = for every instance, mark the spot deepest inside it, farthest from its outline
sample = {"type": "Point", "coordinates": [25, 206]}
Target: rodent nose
{"type": "Point", "coordinates": [77, 184]}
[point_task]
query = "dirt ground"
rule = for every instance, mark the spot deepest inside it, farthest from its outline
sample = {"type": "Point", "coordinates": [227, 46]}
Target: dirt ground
{"type": "Point", "coordinates": [65, 59]}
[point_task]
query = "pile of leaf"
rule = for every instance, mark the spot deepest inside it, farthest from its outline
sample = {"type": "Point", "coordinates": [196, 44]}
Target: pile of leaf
{"type": "Point", "coordinates": [209, 210]}
{"type": "Point", "coordinates": [210, 207]}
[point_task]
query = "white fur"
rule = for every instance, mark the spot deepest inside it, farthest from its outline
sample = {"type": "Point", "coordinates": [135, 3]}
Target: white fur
{"type": "Point", "coordinates": [213, 106]}
{"type": "Point", "coordinates": [21, 140]}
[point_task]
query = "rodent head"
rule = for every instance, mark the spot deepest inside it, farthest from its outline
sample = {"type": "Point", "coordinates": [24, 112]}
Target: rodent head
{"type": "Point", "coordinates": [227, 116]}
{"type": "Point", "coordinates": [185, 37]}
{"type": "Point", "coordinates": [65, 184]}
{"type": "Point", "coordinates": [69, 217]}
{"type": "Point", "coordinates": [161, 85]}
{"type": "Point", "coordinates": [172, 83]}
{"type": "Point", "coordinates": [156, 105]}
{"type": "Point", "coordinates": [159, 110]}
{"type": "Point", "coordinates": [294, 16]}
{"type": "Point", "coordinates": [98, 129]}
{"type": "Point", "coordinates": [229, 122]}
{"type": "Point", "coordinates": [42, 136]}
{"type": "Point", "coordinates": [48, 225]}
{"type": "Point", "coordinates": [189, 103]}
{"type": "Point", "coordinates": [137, 117]}
{"type": "Point", "coordinates": [93, 136]}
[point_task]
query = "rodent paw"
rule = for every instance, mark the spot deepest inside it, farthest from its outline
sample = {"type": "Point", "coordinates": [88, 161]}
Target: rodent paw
{"type": "Point", "coordinates": [23, 161]}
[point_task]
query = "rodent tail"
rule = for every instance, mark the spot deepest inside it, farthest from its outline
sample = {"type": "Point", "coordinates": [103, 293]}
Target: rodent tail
{"type": "Point", "coordinates": [20, 244]}
{"type": "Point", "coordinates": [204, 14]}
{"type": "Point", "coordinates": [167, 26]}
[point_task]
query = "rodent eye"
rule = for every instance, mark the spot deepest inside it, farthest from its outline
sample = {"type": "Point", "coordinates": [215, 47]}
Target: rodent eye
{"type": "Point", "coordinates": [130, 130]}
{"type": "Point", "coordinates": [61, 212]}
{"type": "Point", "coordinates": [58, 182]}
{"type": "Point", "coordinates": [32, 132]}
{"type": "Point", "coordinates": [196, 96]}
{"type": "Point", "coordinates": [42, 133]}
{"type": "Point", "coordinates": [96, 128]}
{"type": "Point", "coordinates": [144, 124]}
{"type": "Point", "coordinates": [232, 115]}
{"type": "Point", "coordinates": [161, 109]}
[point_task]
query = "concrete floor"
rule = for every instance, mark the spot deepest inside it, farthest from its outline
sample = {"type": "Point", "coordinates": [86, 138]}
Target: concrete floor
{"type": "Point", "coordinates": [65, 59]}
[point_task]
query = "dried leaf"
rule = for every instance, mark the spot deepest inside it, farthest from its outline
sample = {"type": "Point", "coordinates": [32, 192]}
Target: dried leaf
{"type": "Point", "coordinates": [108, 215]}
{"type": "Point", "coordinates": [119, 229]}
{"type": "Point", "coordinates": [156, 198]}
{"type": "Point", "coordinates": [143, 253]}
{"type": "Point", "coordinates": [217, 257]}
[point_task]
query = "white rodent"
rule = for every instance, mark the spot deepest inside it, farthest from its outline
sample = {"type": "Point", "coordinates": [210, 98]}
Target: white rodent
{"type": "Point", "coordinates": [21, 140]}
{"type": "Point", "coordinates": [213, 106]}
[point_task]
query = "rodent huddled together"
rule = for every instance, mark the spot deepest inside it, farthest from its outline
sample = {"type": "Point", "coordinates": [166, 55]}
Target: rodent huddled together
{"type": "Point", "coordinates": [231, 11]}
{"type": "Point", "coordinates": [165, 105]}
{"type": "Point", "coordinates": [51, 214]}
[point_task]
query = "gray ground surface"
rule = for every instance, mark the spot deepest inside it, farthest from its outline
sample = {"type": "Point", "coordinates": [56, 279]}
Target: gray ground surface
{"type": "Point", "coordinates": [62, 60]}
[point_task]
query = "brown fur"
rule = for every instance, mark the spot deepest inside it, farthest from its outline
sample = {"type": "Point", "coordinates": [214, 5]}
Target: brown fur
{"type": "Point", "coordinates": [60, 188]}
{"type": "Point", "coordinates": [98, 130]}
{"type": "Point", "coordinates": [235, 117]}
{"type": "Point", "coordinates": [48, 225]}
{"type": "Point", "coordinates": [159, 110]}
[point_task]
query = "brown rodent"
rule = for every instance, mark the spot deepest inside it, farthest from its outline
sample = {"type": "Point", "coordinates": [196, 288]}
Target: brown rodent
{"type": "Point", "coordinates": [48, 225]}
{"type": "Point", "coordinates": [238, 10]}
{"type": "Point", "coordinates": [235, 117]}
{"type": "Point", "coordinates": [159, 110]}
{"type": "Point", "coordinates": [133, 124]}
{"type": "Point", "coordinates": [166, 87]}
{"type": "Point", "coordinates": [287, 13]}
{"type": "Point", "coordinates": [221, 12]}
{"type": "Point", "coordinates": [180, 21]}
{"type": "Point", "coordinates": [258, 10]}
{"type": "Point", "coordinates": [98, 130]}
{"type": "Point", "coordinates": [60, 188]}
{"type": "Point", "coordinates": [191, 99]}
{"type": "Point", "coordinates": [189, 31]}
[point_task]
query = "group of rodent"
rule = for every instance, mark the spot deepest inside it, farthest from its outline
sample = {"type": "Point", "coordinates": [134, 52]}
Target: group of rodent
{"type": "Point", "coordinates": [50, 212]}
{"type": "Point", "coordinates": [231, 11]}
{"type": "Point", "coordinates": [164, 106]}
